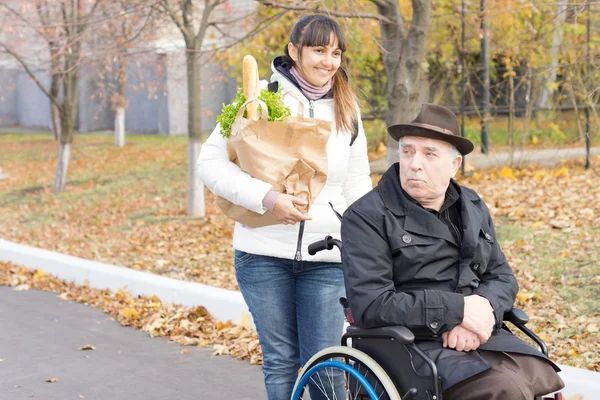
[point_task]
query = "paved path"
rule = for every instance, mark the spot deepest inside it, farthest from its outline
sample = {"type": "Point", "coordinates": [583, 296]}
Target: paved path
{"type": "Point", "coordinates": [40, 336]}
{"type": "Point", "coordinates": [547, 157]}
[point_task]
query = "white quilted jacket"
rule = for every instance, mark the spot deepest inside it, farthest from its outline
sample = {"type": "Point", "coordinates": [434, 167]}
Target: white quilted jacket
{"type": "Point", "coordinates": [347, 180]}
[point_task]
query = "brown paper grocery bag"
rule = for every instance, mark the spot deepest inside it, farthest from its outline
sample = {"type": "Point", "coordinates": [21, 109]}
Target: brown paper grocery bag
{"type": "Point", "coordinates": [290, 155]}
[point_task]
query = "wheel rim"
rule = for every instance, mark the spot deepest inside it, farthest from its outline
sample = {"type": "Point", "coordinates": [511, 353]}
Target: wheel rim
{"type": "Point", "coordinates": [356, 379]}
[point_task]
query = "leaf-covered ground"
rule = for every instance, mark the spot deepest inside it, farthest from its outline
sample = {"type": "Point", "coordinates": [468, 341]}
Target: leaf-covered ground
{"type": "Point", "coordinates": [127, 207]}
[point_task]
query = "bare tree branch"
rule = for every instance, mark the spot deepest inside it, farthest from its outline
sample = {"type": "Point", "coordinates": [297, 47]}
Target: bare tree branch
{"type": "Point", "coordinates": [258, 29]}
{"type": "Point", "coordinates": [165, 6]}
{"type": "Point", "coordinates": [323, 10]}
{"type": "Point", "coordinates": [30, 73]}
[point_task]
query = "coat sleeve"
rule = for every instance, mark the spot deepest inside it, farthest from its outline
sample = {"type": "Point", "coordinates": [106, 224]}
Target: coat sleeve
{"type": "Point", "coordinates": [498, 283]}
{"type": "Point", "coordinates": [226, 179]}
{"type": "Point", "coordinates": [368, 271]}
{"type": "Point", "coordinates": [358, 179]}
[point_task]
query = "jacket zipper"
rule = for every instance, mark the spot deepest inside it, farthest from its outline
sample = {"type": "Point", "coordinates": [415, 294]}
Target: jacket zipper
{"type": "Point", "coordinates": [311, 108]}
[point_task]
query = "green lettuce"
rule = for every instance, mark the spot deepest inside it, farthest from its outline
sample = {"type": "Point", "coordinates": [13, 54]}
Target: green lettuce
{"type": "Point", "coordinates": [277, 110]}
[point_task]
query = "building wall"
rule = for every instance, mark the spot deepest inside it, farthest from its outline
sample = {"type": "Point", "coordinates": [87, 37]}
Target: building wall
{"type": "Point", "coordinates": [8, 97]}
{"type": "Point", "coordinates": [145, 94]}
{"type": "Point", "coordinates": [156, 97]}
{"type": "Point", "coordinates": [33, 106]}
{"type": "Point", "coordinates": [95, 112]}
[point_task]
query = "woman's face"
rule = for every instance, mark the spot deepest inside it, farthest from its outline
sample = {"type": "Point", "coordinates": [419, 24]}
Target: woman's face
{"type": "Point", "coordinates": [317, 64]}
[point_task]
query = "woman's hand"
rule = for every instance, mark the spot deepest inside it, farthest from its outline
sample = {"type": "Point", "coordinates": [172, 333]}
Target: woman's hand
{"type": "Point", "coordinates": [285, 209]}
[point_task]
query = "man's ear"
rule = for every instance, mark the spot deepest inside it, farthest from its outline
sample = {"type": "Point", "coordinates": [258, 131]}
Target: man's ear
{"type": "Point", "coordinates": [456, 165]}
{"type": "Point", "coordinates": [293, 51]}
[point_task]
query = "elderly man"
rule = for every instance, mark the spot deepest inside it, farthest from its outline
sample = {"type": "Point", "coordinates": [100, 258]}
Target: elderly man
{"type": "Point", "coordinates": [421, 251]}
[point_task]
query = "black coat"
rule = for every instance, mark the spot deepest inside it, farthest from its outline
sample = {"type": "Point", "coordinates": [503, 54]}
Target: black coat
{"type": "Point", "coordinates": [402, 266]}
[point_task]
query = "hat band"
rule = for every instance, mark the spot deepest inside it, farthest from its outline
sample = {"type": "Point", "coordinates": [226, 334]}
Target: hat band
{"type": "Point", "coordinates": [434, 128]}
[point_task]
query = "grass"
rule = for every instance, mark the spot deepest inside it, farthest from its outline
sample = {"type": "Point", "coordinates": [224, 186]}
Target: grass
{"type": "Point", "coordinates": [574, 274]}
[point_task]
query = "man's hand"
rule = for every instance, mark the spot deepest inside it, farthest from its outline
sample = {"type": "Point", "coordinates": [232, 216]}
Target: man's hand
{"type": "Point", "coordinates": [461, 339]}
{"type": "Point", "coordinates": [285, 209]}
{"type": "Point", "coordinates": [479, 317]}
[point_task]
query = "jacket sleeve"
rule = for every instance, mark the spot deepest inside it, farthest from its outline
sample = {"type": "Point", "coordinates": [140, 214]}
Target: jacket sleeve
{"type": "Point", "coordinates": [358, 179]}
{"type": "Point", "coordinates": [498, 283]}
{"type": "Point", "coordinates": [227, 180]}
{"type": "Point", "coordinates": [374, 301]}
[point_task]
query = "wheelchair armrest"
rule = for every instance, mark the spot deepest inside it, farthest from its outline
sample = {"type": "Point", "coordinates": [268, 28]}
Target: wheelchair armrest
{"type": "Point", "coordinates": [399, 333]}
{"type": "Point", "coordinates": [516, 317]}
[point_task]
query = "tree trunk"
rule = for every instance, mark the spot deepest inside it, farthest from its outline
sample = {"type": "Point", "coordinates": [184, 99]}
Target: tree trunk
{"type": "Point", "coordinates": [195, 187]}
{"type": "Point", "coordinates": [120, 127]}
{"type": "Point", "coordinates": [119, 103]}
{"type": "Point", "coordinates": [62, 167]}
{"type": "Point", "coordinates": [67, 117]}
{"type": "Point", "coordinates": [511, 117]}
{"type": "Point", "coordinates": [547, 89]}
{"type": "Point", "coordinates": [54, 110]}
{"type": "Point", "coordinates": [528, 107]}
{"type": "Point", "coordinates": [402, 61]}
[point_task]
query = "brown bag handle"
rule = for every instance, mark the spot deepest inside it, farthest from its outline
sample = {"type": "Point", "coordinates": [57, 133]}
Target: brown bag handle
{"type": "Point", "coordinates": [263, 107]}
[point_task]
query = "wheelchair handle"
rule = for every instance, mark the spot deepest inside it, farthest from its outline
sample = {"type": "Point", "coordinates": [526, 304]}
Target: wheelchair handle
{"type": "Point", "coordinates": [325, 244]}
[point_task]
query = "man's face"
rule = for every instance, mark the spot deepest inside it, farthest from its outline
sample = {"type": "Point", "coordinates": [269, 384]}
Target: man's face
{"type": "Point", "coordinates": [426, 167]}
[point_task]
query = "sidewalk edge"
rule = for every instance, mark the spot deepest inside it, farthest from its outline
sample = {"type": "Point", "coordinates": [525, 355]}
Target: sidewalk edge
{"type": "Point", "coordinates": [223, 304]}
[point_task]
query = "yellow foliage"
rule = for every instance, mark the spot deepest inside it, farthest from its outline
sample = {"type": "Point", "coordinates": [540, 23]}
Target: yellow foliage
{"type": "Point", "coordinates": [524, 297]}
{"type": "Point", "coordinates": [572, 352]}
{"type": "Point", "coordinates": [130, 313]}
{"type": "Point", "coordinates": [507, 173]}
{"type": "Point", "coordinates": [539, 175]}
{"type": "Point", "coordinates": [535, 139]}
{"type": "Point", "coordinates": [38, 274]}
{"type": "Point", "coordinates": [564, 171]}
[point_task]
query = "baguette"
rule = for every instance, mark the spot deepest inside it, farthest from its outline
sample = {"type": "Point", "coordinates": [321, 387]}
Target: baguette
{"type": "Point", "coordinates": [251, 88]}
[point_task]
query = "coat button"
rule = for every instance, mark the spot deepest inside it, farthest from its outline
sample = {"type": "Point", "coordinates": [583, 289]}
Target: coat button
{"type": "Point", "coordinates": [434, 324]}
{"type": "Point", "coordinates": [476, 266]}
{"type": "Point", "coordinates": [406, 239]}
{"type": "Point", "coordinates": [488, 236]}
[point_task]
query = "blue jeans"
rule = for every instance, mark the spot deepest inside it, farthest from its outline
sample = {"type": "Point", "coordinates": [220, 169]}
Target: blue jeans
{"type": "Point", "coordinates": [296, 310]}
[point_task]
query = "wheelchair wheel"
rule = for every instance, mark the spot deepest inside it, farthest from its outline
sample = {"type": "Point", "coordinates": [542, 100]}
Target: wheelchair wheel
{"type": "Point", "coordinates": [343, 373]}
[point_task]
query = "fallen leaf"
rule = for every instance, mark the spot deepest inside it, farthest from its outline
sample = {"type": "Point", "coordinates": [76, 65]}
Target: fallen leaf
{"type": "Point", "coordinates": [245, 321]}
{"type": "Point", "coordinates": [185, 351]}
{"type": "Point", "coordinates": [87, 347]}
{"type": "Point", "coordinates": [51, 380]}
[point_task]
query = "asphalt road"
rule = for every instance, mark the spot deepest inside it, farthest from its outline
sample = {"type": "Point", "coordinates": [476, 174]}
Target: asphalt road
{"type": "Point", "coordinates": [40, 337]}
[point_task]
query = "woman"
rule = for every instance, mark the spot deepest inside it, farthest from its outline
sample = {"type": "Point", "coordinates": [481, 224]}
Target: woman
{"type": "Point", "coordinates": [293, 297]}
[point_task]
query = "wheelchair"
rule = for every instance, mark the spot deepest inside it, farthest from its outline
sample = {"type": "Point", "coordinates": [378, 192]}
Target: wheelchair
{"type": "Point", "coordinates": [366, 366]}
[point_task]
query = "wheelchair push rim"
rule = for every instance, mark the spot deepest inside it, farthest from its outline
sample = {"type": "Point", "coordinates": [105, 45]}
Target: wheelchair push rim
{"type": "Point", "coordinates": [361, 376]}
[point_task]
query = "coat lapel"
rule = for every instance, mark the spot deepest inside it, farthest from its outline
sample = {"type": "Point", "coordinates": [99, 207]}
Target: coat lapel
{"type": "Point", "coordinates": [472, 219]}
{"type": "Point", "coordinates": [422, 222]}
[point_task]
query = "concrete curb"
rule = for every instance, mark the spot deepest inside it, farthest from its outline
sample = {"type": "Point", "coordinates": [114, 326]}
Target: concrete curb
{"type": "Point", "coordinates": [223, 304]}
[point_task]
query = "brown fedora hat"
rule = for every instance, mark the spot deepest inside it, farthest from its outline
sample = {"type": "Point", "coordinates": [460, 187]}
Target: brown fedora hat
{"type": "Point", "coordinates": [434, 122]}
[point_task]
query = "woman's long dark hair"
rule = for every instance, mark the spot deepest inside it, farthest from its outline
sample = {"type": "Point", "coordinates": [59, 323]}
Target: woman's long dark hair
{"type": "Point", "coordinates": [315, 31]}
